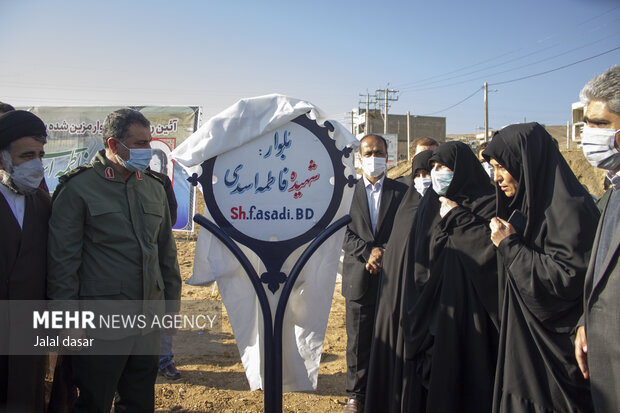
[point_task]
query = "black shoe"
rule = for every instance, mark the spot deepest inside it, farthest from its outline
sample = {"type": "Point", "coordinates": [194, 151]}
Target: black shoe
{"type": "Point", "coordinates": [170, 372]}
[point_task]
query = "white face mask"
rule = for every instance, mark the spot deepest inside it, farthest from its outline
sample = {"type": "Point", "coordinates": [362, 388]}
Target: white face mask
{"type": "Point", "coordinates": [27, 176]}
{"type": "Point", "coordinates": [373, 166]}
{"type": "Point", "coordinates": [599, 148]}
{"type": "Point", "coordinates": [422, 184]}
{"type": "Point", "coordinates": [488, 168]}
{"type": "Point", "coordinates": [441, 181]}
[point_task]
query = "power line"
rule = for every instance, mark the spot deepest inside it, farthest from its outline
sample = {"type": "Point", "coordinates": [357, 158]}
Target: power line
{"type": "Point", "coordinates": [456, 104]}
{"type": "Point", "coordinates": [518, 58]}
{"type": "Point", "coordinates": [537, 42]}
{"type": "Point", "coordinates": [513, 69]}
{"type": "Point", "coordinates": [525, 77]}
{"type": "Point", "coordinates": [556, 69]}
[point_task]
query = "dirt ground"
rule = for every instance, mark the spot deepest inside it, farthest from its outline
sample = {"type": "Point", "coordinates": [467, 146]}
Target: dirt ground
{"type": "Point", "coordinates": [215, 381]}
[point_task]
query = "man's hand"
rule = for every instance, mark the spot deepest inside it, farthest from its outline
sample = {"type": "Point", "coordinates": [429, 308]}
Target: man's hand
{"type": "Point", "coordinates": [500, 230]}
{"type": "Point", "coordinates": [581, 351]}
{"type": "Point", "coordinates": [73, 333]}
{"type": "Point", "coordinates": [447, 205]}
{"type": "Point", "coordinates": [373, 265]}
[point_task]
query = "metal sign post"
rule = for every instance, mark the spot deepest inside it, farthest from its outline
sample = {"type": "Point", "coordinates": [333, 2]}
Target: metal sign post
{"type": "Point", "coordinates": [275, 194]}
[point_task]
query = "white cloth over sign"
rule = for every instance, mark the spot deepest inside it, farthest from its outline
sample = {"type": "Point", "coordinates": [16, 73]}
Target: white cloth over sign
{"type": "Point", "coordinates": [305, 320]}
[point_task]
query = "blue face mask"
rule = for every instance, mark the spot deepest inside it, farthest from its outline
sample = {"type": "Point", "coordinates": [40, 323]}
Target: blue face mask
{"type": "Point", "coordinates": [139, 159]}
{"type": "Point", "coordinates": [441, 181]}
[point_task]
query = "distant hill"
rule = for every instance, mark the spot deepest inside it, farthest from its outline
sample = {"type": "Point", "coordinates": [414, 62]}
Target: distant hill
{"type": "Point", "coordinates": [587, 174]}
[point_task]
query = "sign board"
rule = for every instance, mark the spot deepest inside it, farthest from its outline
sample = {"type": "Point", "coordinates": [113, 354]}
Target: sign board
{"type": "Point", "coordinates": [276, 186]}
{"type": "Point", "coordinates": [392, 140]}
{"type": "Point", "coordinates": [278, 191]}
{"type": "Point", "coordinates": [274, 193]}
{"type": "Point", "coordinates": [75, 136]}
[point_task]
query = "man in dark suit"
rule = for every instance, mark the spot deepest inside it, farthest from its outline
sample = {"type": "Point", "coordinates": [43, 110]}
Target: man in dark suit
{"type": "Point", "coordinates": [24, 214]}
{"type": "Point", "coordinates": [596, 345]}
{"type": "Point", "coordinates": [375, 201]}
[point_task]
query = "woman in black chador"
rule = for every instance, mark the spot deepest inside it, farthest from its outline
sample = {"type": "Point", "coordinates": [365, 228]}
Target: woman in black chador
{"type": "Point", "coordinates": [542, 258]}
{"type": "Point", "coordinates": [451, 327]}
{"type": "Point", "coordinates": [387, 388]}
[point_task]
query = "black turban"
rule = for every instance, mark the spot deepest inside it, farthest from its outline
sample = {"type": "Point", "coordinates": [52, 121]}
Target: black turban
{"type": "Point", "coordinates": [18, 124]}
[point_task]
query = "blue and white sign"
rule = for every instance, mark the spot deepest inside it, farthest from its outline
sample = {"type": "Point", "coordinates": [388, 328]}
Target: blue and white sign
{"type": "Point", "coordinates": [283, 187]}
{"type": "Point", "coordinates": [276, 187]}
{"type": "Point", "coordinates": [278, 180]}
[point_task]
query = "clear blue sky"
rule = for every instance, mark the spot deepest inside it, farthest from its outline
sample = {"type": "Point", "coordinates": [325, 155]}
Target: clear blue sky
{"type": "Point", "coordinates": [208, 53]}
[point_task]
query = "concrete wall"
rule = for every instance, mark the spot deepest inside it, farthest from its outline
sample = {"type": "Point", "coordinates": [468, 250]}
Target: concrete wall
{"type": "Point", "coordinates": [421, 127]}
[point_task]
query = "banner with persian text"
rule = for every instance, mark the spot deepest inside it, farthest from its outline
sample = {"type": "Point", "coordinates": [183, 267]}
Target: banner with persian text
{"type": "Point", "coordinates": [75, 136]}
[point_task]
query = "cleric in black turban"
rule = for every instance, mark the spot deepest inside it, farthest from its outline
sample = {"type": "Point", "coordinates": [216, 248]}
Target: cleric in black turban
{"type": "Point", "coordinates": [18, 124]}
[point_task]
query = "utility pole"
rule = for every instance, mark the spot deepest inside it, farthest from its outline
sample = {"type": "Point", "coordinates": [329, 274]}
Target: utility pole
{"type": "Point", "coordinates": [367, 113]}
{"type": "Point", "coordinates": [389, 96]}
{"type": "Point", "coordinates": [409, 137]}
{"type": "Point", "coordinates": [486, 111]}
{"type": "Point", "coordinates": [368, 123]}
{"type": "Point", "coordinates": [352, 115]}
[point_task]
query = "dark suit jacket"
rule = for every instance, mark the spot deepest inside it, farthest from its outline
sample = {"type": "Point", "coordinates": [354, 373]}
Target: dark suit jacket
{"type": "Point", "coordinates": [23, 252]}
{"type": "Point", "coordinates": [602, 322]}
{"type": "Point", "coordinates": [406, 179]}
{"type": "Point", "coordinates": [359, 239]}
{"type": "Point", "coordinates": [23, 270]}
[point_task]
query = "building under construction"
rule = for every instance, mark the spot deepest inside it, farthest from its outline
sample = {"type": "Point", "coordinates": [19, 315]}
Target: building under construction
{"type": "Point", "coordinates": [419, 127]}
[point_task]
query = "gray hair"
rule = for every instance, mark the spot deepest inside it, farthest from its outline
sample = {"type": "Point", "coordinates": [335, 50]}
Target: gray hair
{"type": "Point", "coordinates": [6, 172]}
{"type": "Point", "coordinates": [118, 122]}
{"type": "Point", "coordinates": [7, 167]}
{"type": "Point", "coordinates": [7, 159]}
{"type": "Point", "coordinates": [605, 88]}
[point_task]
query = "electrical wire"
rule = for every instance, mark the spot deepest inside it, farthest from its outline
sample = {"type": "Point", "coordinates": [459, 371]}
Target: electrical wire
{"type": "Point", "coordinates": [554, 70]}
{"type": "Point", "coordinates": [571, 29]}
{"type": "Point", "coordinates": [518, 58]}
{"type": "Point", "coordinates": [509, 70]}
{"type": "Point", "coordinates": [523, 78]}
{"type": "Point", "coordinates": [456, 104]}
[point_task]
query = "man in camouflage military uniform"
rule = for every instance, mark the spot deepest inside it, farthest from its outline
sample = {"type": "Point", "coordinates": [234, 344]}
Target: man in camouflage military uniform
{"type": "Point", "coordinates": [110, 238]}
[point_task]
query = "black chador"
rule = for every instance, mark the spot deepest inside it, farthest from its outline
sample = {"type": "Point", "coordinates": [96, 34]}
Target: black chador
{"type": "Point", "coordinates": [387, 388]}
{"type": "Point", "coordinates": [541, 275]}
{"type": "Point", "coordinates": [451, 327]}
